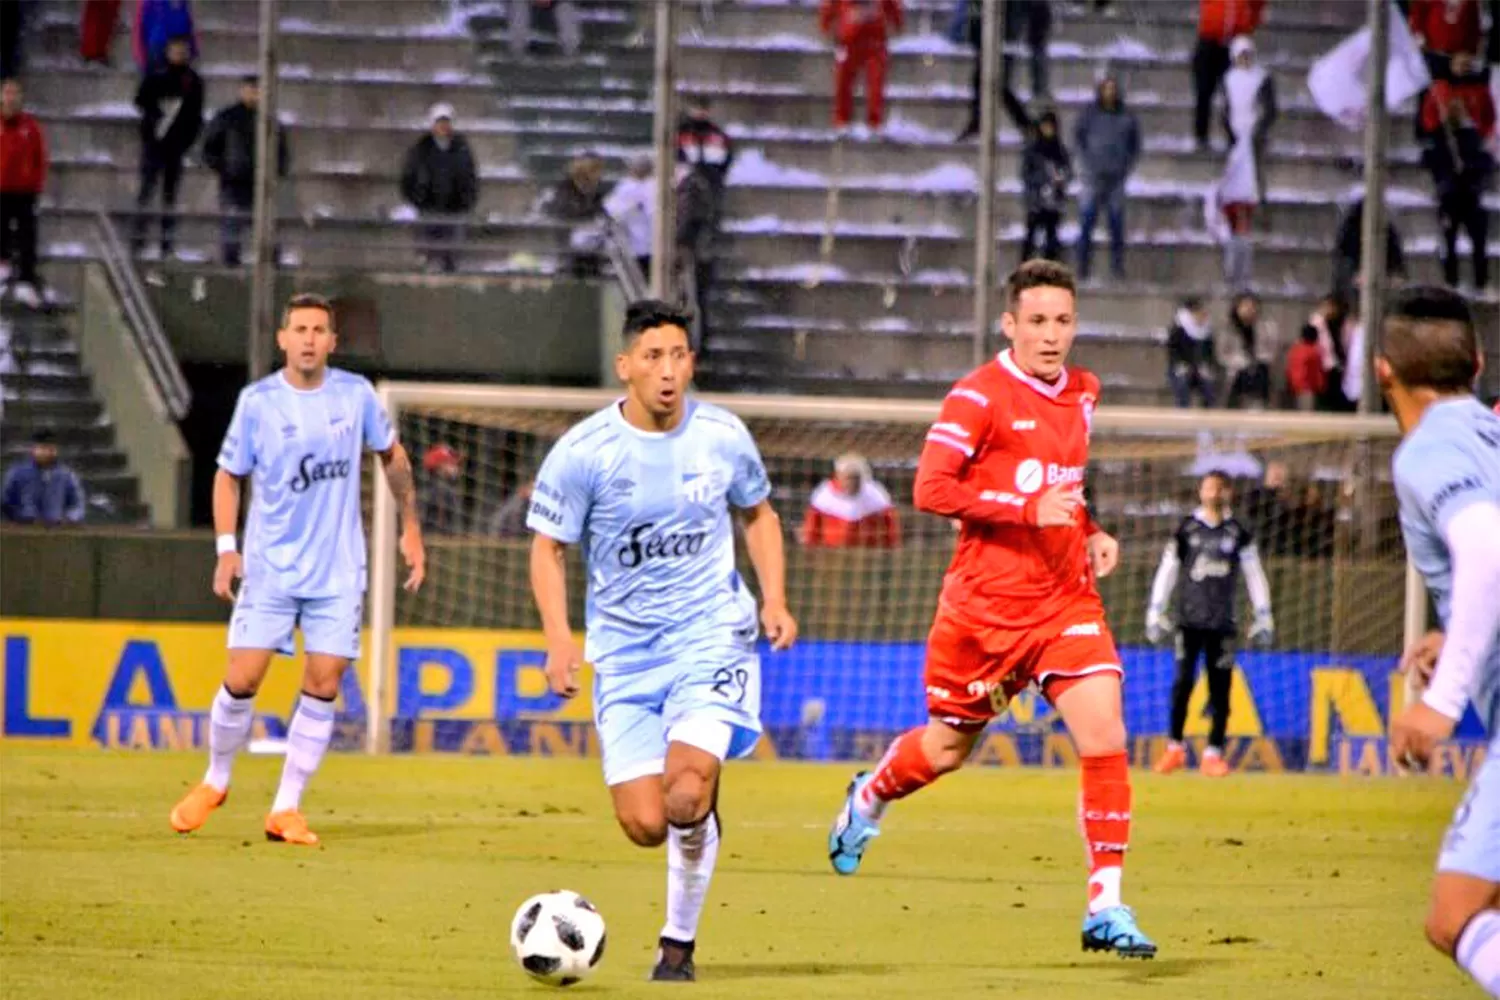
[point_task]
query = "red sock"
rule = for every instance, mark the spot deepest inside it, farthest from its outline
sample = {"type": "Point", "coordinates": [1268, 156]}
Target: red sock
{"type": "Point", "coordinates": [1105, 816]}
{"type": "Point", "coordinates": [902, 770]}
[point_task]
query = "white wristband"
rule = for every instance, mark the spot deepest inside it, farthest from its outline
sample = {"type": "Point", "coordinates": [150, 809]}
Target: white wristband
{"type": "Point", "coordinates": [225, 543]}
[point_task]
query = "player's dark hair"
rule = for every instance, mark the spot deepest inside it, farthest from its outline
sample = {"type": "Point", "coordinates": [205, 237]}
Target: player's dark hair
{"type": "Point", "coordinates": [1220, 475]}
{"type": "Point", "coordinates": [43, 435]}
{"type": "Point", "coordinates": [306, 300]}
{"type": "Point", "coordinates": [1429, 339]}
{"type": "Point", "coordinates": [647, 314]}
{"type": "Point", "coordinates": [1037, 274]}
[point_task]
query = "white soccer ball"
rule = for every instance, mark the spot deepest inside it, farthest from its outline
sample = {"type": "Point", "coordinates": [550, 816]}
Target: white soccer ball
{"type": "Point", "coordinates": [558, 937]}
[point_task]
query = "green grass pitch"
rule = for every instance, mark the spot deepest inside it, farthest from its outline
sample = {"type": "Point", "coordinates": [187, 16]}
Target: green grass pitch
{"type": "Point", "coordinates": [1263, 887]}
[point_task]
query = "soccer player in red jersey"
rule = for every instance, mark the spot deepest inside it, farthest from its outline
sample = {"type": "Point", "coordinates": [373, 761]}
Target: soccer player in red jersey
{"type": "Point", "coordinates": [1019, 605]}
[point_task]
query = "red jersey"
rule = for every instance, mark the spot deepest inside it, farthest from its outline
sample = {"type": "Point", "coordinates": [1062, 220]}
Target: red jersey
{"type": "Point", "coordinates": [1448, 26]}
{"type": "Point", "coordinates": [1001, 440]}
{"type": "Point", "coordinates": [23, 155]}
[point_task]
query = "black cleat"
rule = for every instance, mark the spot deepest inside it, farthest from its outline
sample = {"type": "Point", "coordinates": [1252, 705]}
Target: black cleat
{"type": "Point", "coordinates": [674, 962]}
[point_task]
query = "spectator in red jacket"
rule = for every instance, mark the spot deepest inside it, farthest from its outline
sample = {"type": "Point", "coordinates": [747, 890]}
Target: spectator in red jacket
{"type": "Point", "coordinates": [860, 29]}
{"type": "Point", "coordinates": [1470, 90]}
{"type": "Point", "coordinates": [851, 510]}
{"type": "Point", "coordinates": [23, 175]}
{"type": "Point", "coordinates": [1305, 378]}
{"type": "Point", "coordinates": [1219, 21]}
{"type": "Point", "coordinates": [96, 29]}
{"type": "Point", "coordinates": [1444, 29]}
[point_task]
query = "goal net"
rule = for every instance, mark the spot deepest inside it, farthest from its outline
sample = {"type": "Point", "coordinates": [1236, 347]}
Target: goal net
{"type": "Point", "coordinates": [457, 666]}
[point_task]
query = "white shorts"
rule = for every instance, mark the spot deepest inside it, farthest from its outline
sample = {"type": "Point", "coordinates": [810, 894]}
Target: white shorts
{"type": "Point", "coordinates": [264, 619]}
{"type": "Point", "coordinates": [1472, 843]}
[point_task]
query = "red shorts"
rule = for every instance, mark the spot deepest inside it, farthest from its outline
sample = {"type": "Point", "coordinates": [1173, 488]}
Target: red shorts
{"type": "Point", "coordinates": [973, 669]}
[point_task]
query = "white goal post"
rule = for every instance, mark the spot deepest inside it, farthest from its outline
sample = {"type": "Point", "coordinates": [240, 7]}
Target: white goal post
{"type": "Point", "coordinates": [795, 428]}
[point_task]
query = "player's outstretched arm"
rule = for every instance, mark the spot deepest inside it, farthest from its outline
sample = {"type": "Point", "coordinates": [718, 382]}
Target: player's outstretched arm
{"type": "Point", "coordinates": [940, 489]}
{"type": "Point", "coordinates": [226, 505]}
{"type": "Point", "coordinates": [403, 486]}
{"type": "Point", "coordinates": [549, 585]}
{"type": "Point", "coordinates": [1162, 587]}
{"type": "Point", "coordinates": [764, 542]}
{"type": "Point", "coordinates": [1264, 627]}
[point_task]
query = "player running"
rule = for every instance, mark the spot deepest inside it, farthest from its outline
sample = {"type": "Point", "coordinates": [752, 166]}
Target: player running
{"type": "Point", "coordinates": [1447, 475]}
{"type": "Point", "coordinates": [645, 485]}
{"type": "Point", "coordinates": [1215, 547]}
{"type": "Point", "coordinates": [1006, 457]}
{"type": "Point", "coordinates": [299, 435]}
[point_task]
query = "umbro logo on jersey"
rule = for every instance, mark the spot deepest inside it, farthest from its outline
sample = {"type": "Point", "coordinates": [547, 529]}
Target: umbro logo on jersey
{"type": "Point", "coordinates": [289, 430]}
{"type": "Point", "coordinates": [1023, 425]}
{"type": "Point", "coordinates": [622, 486]}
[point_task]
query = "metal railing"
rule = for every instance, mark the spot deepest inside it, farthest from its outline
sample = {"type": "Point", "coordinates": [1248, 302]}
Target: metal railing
{"type": "Point", "coordinates": [145, 329]}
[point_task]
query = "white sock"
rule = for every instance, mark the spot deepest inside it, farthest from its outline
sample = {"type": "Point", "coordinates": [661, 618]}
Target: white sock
{"type": "Point", "coordinates": [228, 728]}
{"type": "Point", "coordinates": [869, 806]}
{"type": "Point", "coordinates": [691, 854]}
{"type": "Point", "coordinates": [1478, 951]}
{"type": "Point", "coordinates": [1212, 752]}
{"type": "Point", "coordinates": [1104, 889]}
{"type": "Point", "coordinates": [307, 740]}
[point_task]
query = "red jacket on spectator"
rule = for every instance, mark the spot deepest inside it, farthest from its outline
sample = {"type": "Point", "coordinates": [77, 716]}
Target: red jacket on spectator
{"type": "Point", "coordinates": [23, 155]}
{"type": "Point", "coordinates": [838, 520]}
{"type": "Point", "coordinates": [1448, 26]}
{"type": "Point", "coordinates": [1475, 97]}
{"type": "Point", "coordinates": [1220, 20]}
{"type": "Point", "coordinates": [1304, 369]}
{"type": "Point", "coordinates": [847, 20]}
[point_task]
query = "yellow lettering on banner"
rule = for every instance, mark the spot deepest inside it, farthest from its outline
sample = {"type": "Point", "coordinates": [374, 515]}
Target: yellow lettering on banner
{"type": "Point", "coordinates": [997, 748]}
{"type": "Point", "coordinates": [140, 734]}
{"type": "Point", "coordinates": [1023, 707]}
{"type": "Point", "coordinates": [550, 740]}
{"type": "Point", "coordinates": [176, 732]}
{"type": "Point", "coordinates": [591, 742]}
{"type": "Point", "coordinates": [1058, 751]}
{"type": "Point", "coordinates": [421, 735]}
{"type": "Point", "coordinates": [1341, 690]}
{"type": "Point", "coordinates": [112, 731]}
{"type": "Point", "coordinates": [1453, 760]}
{"type": "Point", "coordinates": [483, 737]}
{"type": "Point", "coordinates": [1244, 716]}
{"type": "Point", "coordinates": [1261, 754]}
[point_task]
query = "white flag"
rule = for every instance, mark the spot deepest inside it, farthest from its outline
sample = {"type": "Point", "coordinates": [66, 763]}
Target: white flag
{"type": "Point", "coordinates": [1338, 80]}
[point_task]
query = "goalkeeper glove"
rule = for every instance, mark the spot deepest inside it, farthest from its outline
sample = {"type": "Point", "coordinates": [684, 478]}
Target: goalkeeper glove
{"type": "Point", "coordinates": [1157, 627]}
{"type": "Point", "coordinates": [1263, 630]}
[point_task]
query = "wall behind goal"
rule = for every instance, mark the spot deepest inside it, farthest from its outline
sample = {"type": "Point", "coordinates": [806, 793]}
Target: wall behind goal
{"type": "Point", "coordinates": [149, 685]}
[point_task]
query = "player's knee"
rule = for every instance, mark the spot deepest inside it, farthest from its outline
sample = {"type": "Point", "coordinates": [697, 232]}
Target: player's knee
{"type": "Point", "coordinates": [689, 797]}
{"type": "Point", "coordinates": [644, 831]}
{"type": "Point", "coordinates": [946, 759]}
{"type": "Point", "coordinates": [1103, 736]}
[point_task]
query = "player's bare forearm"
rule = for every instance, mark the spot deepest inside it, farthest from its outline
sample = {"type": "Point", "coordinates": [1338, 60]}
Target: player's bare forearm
{"type": "Point", "coordinates": [549, 585]}
{"type": "Point", "coordinates": [402, 484]}
{"type": "Point", "coordinates": [763, 540]}
{"type": "Point", "coordinates": [226, 502]}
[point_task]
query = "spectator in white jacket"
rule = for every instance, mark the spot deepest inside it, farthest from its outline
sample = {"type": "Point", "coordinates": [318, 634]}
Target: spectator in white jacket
{"type": "Point", "coordinates": [632, 206]}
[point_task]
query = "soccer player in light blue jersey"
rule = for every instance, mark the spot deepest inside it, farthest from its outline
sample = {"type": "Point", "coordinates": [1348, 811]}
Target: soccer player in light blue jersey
{"type": "Point", "coordinates": [645, 486]}
{"type": "Point", "coordinates": [1447, 477]}
{"type": "Point", "coordinates": [299, 435]}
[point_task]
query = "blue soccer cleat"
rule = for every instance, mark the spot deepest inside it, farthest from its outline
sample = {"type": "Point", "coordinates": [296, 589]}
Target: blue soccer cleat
{"type": "Point", "coordinates": [851, 831]}
{"type": "Point", "coordinates": [1115, 930]}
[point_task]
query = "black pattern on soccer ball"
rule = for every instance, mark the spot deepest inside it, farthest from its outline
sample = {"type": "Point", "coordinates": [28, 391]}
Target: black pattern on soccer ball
{"type": "Point", "coordinates": [568, 933]}
{"type": "Point", "coordinates": [568, 981]}
{"type": "Point", "coordinates": [598, 951]}
{"type": "Point", "coordinates": [541, 965]}
{"type": "Point", "coordinates": [584, 904]}
{"type": "Point", "coordinates": [528, 921]}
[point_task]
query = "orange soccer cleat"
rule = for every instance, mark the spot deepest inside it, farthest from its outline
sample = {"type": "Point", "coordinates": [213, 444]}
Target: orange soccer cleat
{"type": "Point", "coordinates": [194, 808]}
{"type": "Point", "coordinates": [1174, 758]}
{"type": "Point", "coordinates": [290, 827]}
{"type": "Point", "coordinates": [1214, 766]}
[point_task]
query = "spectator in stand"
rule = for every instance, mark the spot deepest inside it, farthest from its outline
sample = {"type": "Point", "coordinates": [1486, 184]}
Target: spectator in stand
{"type": "Point", "coordinates": [1249, 106]}
{"type": "Point", "coordinates": [632, 205]}
{"type": "Point", "coordinates": [96, 29]}
{"type": "Point", "coordinates": [1306, 380]}
{"type": "Point", "coordinates": [702, 145]}
{"type": "Point", "coordinates": [171, 105]}
{"type": "Point", "coordinates": [1348, 245]}
{"type": "Point", "coordinates": [1029, 21]}
{"type": "Point", "coordinates": [697, 232]}
{"type": "Point", "coordinates": [860, 30]}
{"type": "Point", "coordinates": [851, 510]}
{"type": "Point", "coordinates": [564, 15]}
{"type": "Point", "coordinates": [1332, 324]}
{"type": "Point", "coordinates": [1461, 168]}
{"type": "Point", "coordinates": [40, 489]}
{"type": "Point", "coordinates": [1046, 172]}
{"type": "Point", "coordinates": [23, 177]}
{"type": "Point", "coordinates": [1191, 365]}
{"type": "Point", "coordinates": [230, 150]}
{"type": "Point", "coordinates": [1470, 89]}
{"type": "Point", "coordinates": [967, 26]}
{"type": "Point", "coordinates": [157, 22]}
{"type": "Point", "coordinates": [578, 199]}
{"type": "Point", "coordinates": [509, 519]}
{"type": "Point", "coordinates": [1219, 22]}
{"type": "Point", "coordinates": [1249, 377]}
{"type": "Point", "coordinates": [1444, 29]}
{"type": "Point", "coordinates": [1107, 139]}
{"type": "Point", "coordinates": [442, 502]}
{"type": "Point", "coordinates": [440, 181]}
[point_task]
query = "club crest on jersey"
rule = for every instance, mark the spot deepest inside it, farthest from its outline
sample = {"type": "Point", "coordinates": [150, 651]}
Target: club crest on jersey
{"type": "Point", "coordinates": [1086, 402]}
{"type": "Point", "coordinates": [698, 487]}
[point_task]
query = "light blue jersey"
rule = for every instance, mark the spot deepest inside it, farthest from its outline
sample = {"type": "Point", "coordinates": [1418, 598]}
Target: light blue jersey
{"type": "Point", "coordinates": [1449, 460]}
{"type": "Point", "coordinates": [670, 626]}
{"type": "Point", "coordinates": [302, 450]}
